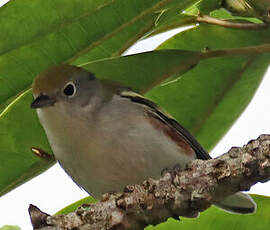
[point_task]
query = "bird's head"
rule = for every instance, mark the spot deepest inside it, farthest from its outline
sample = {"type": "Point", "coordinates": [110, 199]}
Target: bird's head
{"type": "Point", "coordinates": [64, 84]}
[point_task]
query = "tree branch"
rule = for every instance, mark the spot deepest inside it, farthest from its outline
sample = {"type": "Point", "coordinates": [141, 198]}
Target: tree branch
{"type": "Point", "coordinates": [177, 193]}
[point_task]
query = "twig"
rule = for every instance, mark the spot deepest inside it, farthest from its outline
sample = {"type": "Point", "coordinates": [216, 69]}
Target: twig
{"type": "Point", "coordinates": [177, 193]}
{"type": "Point", "coordinates": [230, 24]}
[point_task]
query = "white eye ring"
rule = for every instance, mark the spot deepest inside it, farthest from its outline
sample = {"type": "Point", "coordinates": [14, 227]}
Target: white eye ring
{"type": "Point", "coordinates": [69, 89]}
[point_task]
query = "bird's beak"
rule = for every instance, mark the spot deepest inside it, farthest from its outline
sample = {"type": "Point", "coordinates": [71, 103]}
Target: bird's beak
{"type": "Point", "coordinates": [42, 101]}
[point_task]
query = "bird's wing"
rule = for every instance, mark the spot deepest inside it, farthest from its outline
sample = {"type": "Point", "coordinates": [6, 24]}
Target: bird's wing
{"type": "Point", "coordinates": [180, 133]}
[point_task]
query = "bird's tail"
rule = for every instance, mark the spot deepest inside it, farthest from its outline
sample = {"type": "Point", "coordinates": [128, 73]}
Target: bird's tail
{"type": "Point", "coordinates": [238, 203]}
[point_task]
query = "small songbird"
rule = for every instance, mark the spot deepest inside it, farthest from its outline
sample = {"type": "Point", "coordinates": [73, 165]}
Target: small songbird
{"type": "Point", "coordinates": [105, 136]}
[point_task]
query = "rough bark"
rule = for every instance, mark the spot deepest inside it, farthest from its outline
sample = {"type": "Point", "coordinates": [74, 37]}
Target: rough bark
{"type": "Point", "coordinates": [176, 193]}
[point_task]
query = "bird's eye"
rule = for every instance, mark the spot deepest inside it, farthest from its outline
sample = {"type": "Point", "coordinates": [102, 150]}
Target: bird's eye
{"type": "Point", "coordinates": [69, 89]}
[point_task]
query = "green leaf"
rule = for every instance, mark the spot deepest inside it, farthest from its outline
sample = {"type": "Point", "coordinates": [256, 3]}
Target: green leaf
{"type": "Point", "coordinates": [214, 218]}
{"type": "Point", "coordinates": [208, 99]}
{"type": "Point", "coordinates": [20, 128]}
{"type": "Point", "coordinates": [28, 15]}
{"type": "Point", "coordinates": [224, 14]}
{"type": "Point", "coordinates": [72, 207]}
{"type": "Point", "coordinates": [203, 7]}
{"type": "Point", "coordinates": [66, 36]}
{"type": "Point", "coordinates": [116, 45]}
{"type": "Point", "coordinates": [10, 227]}
{"type": "Point", "coordinates": [172, 19]}
{"type": "Point", "coordinates": [158, 22]}
{"type": "Point", "coordinates": [145, 70]}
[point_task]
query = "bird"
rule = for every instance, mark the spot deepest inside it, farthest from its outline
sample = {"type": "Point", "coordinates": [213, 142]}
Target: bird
{"type": "Point", "coordinates": [106, 136]}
